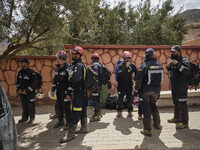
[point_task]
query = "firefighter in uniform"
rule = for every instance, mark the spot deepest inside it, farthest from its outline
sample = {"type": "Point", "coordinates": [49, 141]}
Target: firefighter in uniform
{"type": "Point", "coordinates": [61, 87]}
{"type": "Point", "coordinates": [26, 92]}
{"type": "Point", "coordinates": [179, 69]}
{"type": "Point", "coordinates": [97, 68]}
{"type": "Point", "coordinates": [148, 86]}
{"type": "Point", "coordinates": [80, 101]}
{"type": "Point", "coordinates": [125, 83]}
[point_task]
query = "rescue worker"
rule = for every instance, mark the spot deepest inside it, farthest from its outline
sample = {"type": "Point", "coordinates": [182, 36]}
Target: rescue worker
{"type": "Point", "coordinates": [179, 69]}
{"type": "Point", "coordinates": [97, 68]}
{"type": "Point", "coordinates": [148, 86]}
{"type": "Point", "coordinates": [125, 83]}
{"type": "Point", "coordinates": [26, 92]}
{"type": "Point", "coordinates": [80, 101]}
{"type": "Point", "coordinates": [61, 87]}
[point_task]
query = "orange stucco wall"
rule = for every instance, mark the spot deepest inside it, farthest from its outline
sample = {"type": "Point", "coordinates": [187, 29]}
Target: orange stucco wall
{"type": "Point", "coordinates": [109, 54]}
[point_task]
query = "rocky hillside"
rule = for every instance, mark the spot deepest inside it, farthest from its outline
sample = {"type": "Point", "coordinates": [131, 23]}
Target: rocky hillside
{"type": "Point", "coordinates": [192, 15]}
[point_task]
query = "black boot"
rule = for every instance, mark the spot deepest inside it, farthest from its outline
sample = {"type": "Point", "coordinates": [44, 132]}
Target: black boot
{"type": "Point", "coordinates": [70, 134]}
{"type": "Point", "coordinates": [96, 116]}
{"type": "Point", "coordinates": [59, 124]}
{"type": "Point", "coordinates": [119, 114]}
{"type": "Point", "coordinates": [84, 127]}
{"type": "Point", "coordinates": [130, 114]}
{"type": "Point", "coordinates": [23, 120]}
{"type": "Point", "coordinates": [31, 120]}
{"type": "Point", "coordinates": [66, 127]}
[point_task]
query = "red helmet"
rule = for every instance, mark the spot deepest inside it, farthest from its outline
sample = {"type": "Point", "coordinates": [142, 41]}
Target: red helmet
{"type": "Point", "coordinates": [77, 50]}
{"type": "Point", "coordinates": [126, 54]}
{"type": "Point", "coordinates": [62, 55]}
{"type": "Point", "coordinates": [95, 55]}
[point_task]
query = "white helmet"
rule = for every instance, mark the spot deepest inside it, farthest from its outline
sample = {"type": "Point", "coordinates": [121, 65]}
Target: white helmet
{"type": "Point", "coordinates": [40, 95]}
{"type": "Point", "coordinates": [52, 97]}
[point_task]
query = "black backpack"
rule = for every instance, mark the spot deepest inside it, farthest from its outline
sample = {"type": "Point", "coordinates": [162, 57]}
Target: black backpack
{"type": "Point", "coordinates": [104, 75]}
{"type": "Point", "coordinates": [89, 78]}
{"type": "Point", "coordinates": [194, 77]}
{"type": "Point", "coordinates": [111, 102]}
{"type": "Point", "coordinates": [36, 81]}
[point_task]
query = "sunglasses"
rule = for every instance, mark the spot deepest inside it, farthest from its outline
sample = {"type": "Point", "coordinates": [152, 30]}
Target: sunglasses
{"type": "Point", "coordinates": [127, 58]}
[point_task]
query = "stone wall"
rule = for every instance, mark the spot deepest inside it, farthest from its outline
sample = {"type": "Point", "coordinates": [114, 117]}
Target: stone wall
{"type": "Point", "coordinates": [42, 64]}
{"type": "Point", "coordinates": [109, 54]}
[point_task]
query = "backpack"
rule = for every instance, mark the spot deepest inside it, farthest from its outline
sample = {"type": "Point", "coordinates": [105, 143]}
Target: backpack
{"type": "Point", "coordinates": [36, 81]}
{"type": "Point", "coordinates": [194, 76]}
{"type": "Point", "coordinates": [104, 75]}
{"type": "Point", "coordinates": [89, 78]}
{"type": "Point", "coordinates": [111, 102]}
{"type": "Point", "coordinates": [116, 73]}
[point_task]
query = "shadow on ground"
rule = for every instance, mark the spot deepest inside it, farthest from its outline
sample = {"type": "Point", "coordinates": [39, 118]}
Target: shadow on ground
{"type": "Point", "coordinates": [42, 136]}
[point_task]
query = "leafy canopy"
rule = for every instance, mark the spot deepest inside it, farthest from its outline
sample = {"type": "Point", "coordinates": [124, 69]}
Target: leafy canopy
{"type": "Point", "coordinates": [42, 27]}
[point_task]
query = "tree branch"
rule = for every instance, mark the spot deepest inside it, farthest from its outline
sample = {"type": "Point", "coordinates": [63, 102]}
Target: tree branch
{"type": "Point", "coordinates": [13, 47]}
{"type": "Point", "coordinates": [58, 37]}
{"type": "Point", "coordinates": [32, 25]}
{"type": "Point", "coordinates": [46, 30]}
{"type": "Point", "coordinates": [11, 10]}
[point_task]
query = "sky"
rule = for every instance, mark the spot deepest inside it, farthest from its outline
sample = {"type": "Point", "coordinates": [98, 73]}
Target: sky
{"type": "Point", "coordinates": [187, 4]}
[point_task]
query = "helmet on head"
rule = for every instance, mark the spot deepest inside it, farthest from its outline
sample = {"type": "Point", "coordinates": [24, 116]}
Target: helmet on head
{"type": "Point", "coordinates": [149, 51]}
{"type": "Point", "coordinates": [62, 55]}
{"type": "Point", "coordinates": [40, 95]}
{"type": "Point", "coordinates": [77, 50]}
{"type": "Point", "coordinates": [126, 54]}
{"type": "Point", "coordinates": [52, 97]}
{"type": "Point", "coordinates": [95, 55]}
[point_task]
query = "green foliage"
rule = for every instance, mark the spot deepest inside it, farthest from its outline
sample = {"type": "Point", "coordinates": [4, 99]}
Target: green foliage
{"type": "Point", "coordinates": [141, 25]}
{"type": "Point", "coordinates": [157, 26]}
{"type": "Point", "coordinates": [43, 27]}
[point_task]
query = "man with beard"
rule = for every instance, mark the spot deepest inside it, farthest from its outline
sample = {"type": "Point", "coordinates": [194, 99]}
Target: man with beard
{"type": "Point", "coordinates": [179, 69]}
{"type": "Point", "coordinates": [79, 102]}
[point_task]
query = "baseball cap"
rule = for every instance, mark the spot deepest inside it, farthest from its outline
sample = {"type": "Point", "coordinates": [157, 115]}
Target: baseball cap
{"type": "Point", "coordinates": [24, 60]}
{"type": "Point", "coordinates": [175, 48]}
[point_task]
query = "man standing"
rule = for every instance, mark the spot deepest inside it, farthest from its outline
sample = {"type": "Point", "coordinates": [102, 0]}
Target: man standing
{"type": "Point", "coordinates": [179, 69]}
{"type": "Point", "coordinates": [97, 68]}
{"type": "Point", "coordinates": [26, 91]}
{"type": "Point", "coordinates": [63, 90]}
{"type": "Point", "coordinates": [79, 102]}
{"type": "Point", "coordinates": [125, 83]}
{"type": "Point", "coordinates": [148, 85]}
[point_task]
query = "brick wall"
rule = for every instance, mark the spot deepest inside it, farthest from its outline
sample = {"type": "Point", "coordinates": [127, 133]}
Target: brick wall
{"type": "Point", "coordinates": [109, 54]}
